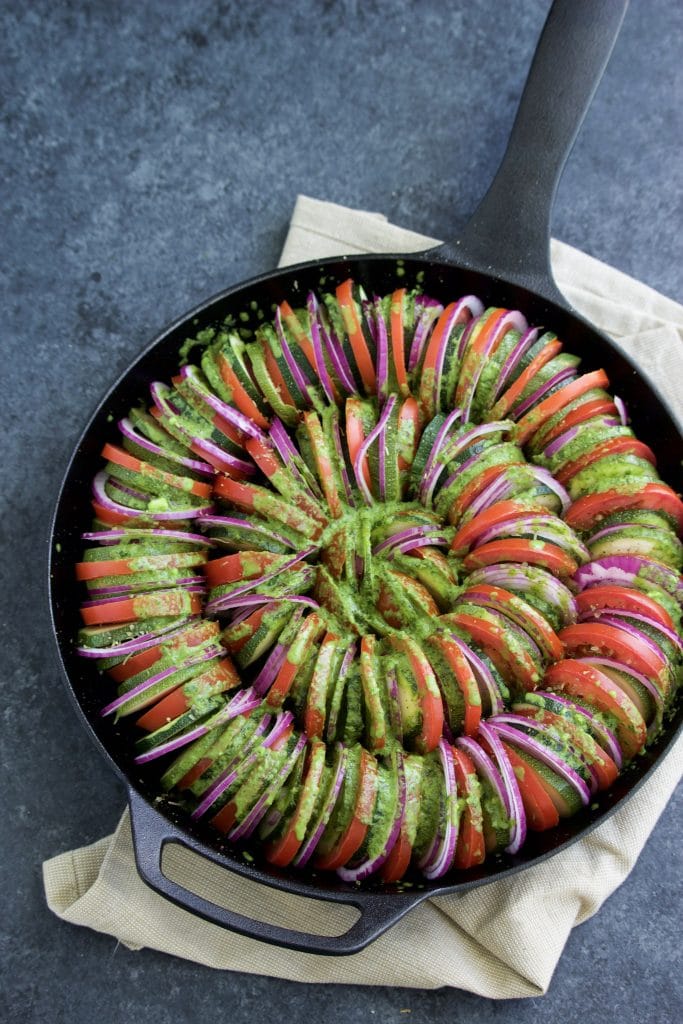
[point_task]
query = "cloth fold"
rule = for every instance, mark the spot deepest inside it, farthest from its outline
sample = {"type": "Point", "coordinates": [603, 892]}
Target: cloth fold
{"type": "Point", "coordinates": [503, 940]}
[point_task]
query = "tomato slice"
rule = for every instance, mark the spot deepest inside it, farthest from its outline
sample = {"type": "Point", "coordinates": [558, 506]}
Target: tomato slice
{"type": "Point", "coordinates": [654, 497]}
{"type": "Point", "coordinates": [355, 436]}
{"type": "Point", "coordinates": [482, 345]}
{"type": "Point", "coordinates": [390, 607]}
{"type": "Point", "coordinates": [473, 489]}
{"type": "Point", "coordinates": [245, 565]}
{"type": "Point", "coordinates": [622, 598]}
{"type": "Point", "coordinates": [529, 552]}
{"type": "Point", "coordinates": [541, 813]}
{"type": "Point", "coordinates": [587, 638]}
{"type": "Point", "coordinates": [253, 498]}
{"type": "Point", "coordinates": [120, 457]}
{"type": "Point", "coordinates": [376, 720]}
{"type": "Point", "coordinates": [397, 334]}
{"type": "Point", "coordinates": [142, 606]}
{"type": "Point", "coordinates": [320, 686]}
{"type": "Point", "coordinates": [310, 630]}
{"type": "Point", "coordinates": [275, 375]}
{"type": "Point", "coordinates": [240, 397]}
{"type": "Point", "coordinates": [521, 613]}
{"type": "Point", "coordinates": [431, 703]}
{"type": "Point", "coordinates": [541, 413]}
{"type": "Point", "coordinates": [470, 849]}
{"type": "Point", "coordinates": [323, 463]}
{"type": "Point", "coordinates": [581, 414]}
{"type": "Point", "coordinates": [299, 333]}
{"type": "Point", "coordinates": [613, 446]}
{"type": "Point", "coordinates": [588, 685]}
{"type": "Point", "coordinates": [465, 679]}
{"type": "Point", "coordinates": [408, 430]}
{"type": "Point", "coordinates": [357, 829]}
{"type": "Point", "coordinates": [518, 667]}
{"type": "Point", "coordinates": [511, 397]}
{"type": "Point", "coordinates": [244, 631]}
{"type": "Point", "coordinates": [282, 851]}
{"type": "Point", "coordinates": [215, 680]}
{"type": "Point", "coordinates": [359, 347]}
{"type": "Point", "coordinates": [469, 533]}
{"type": "Point", "coordinates": [112, 518]}
{"type": "Point", "coordinates": [605, 769]}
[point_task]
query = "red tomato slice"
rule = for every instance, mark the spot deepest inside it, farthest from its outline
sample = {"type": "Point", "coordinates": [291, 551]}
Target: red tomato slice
{"type": "Point", "coordinates": [136, 663]}
{"type": "Point", "coordinates": [195, 772]}
{"type": "Point", "coordinates": [355, 436]}
{"type": "Point", "coordinates": [240, 396]}
{"type": "Point", "coordinates": [529, 552]}
{"type": "Point", "coordinates": [588, 638]}
{"type": "Point", "coordinates": [471, 848]}
{"type": "Point", "coordinates": [586, 411]}
{"type": "Point", "coordinates": [298, 332]}
{"type": "Point", "coordinates": [613, 446]}
{"type": "Point", "coordinates": [469, 533]}
{"type": "Point", "coordinates": [310, 630]}
{"type": "Point", "coordinates": [387, 606]}
{"type": "Point", "coordinates": [398, 861]}
{"type": "Point", "coordinates": [466, 681]}
{"type": "Point", "coordinates": [492, 638]}
{"type": "Point", "coordinates": [654, 497]}
{"type": "Point", "coordinates": [625, 600]}
{"type": "Point", "coordinates": [602, 764]}
{"type": "Point", "coordinates": [275, 375]}
{"type": "Point", "coordinates": [590, 686]}
{"type": "Point", "coordinates": [477, 348]}
{"type": "Point", "coordinates": [459, 507]}
{"type": "Point", "coordinates": [408, 430]}
{"type": "Point", "coordinates": [142, 606]}
{"type": "Point", "coordinates": [120, 457]}
{"type": "Point", "coordinates": [319, 688]}
{"type": "Point", "coordinates": [520, 612]}
{"type": "Point", "coordinates": [245, 565]}
{"type": "Point", "coordinates": [283, 850]}
{"type": "Point", "coordinates": [252, 497]}
{"type": "Point", "coordinates": [431, 703]}
{"type": "Point", "coordinates": [357, 829]}
{"type": "Point", "coordinates": [112, 518]}
{"type": "Point", "coordinates": [397, 335]}
{"type": "Point", "coordinates": [246, 630]}
{"type": "Point", "coordinates": [541, 813]}
{"type": "Point", "coordinates": [511, 397]}
{"type": "Point", "coordinates": [215, 680]}
{"type": "Point", "coordinates": [323, 463]}
{"type": "Point", "coordinates": [541, 413]}
{"type": "Point", "coordinates": [359, 347]}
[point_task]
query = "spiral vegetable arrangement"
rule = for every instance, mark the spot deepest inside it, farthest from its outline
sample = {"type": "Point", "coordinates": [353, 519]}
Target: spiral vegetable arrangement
{"type": "Point", "coordinates": [385, 586]}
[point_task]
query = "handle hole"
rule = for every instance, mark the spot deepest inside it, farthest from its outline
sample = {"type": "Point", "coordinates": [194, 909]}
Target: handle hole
{"type": "Point", "coordinates": [252, 899]}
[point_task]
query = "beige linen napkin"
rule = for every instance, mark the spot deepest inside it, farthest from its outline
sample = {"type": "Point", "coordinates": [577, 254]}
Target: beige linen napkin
{"type": "Point", "coordinates": [501, 941]}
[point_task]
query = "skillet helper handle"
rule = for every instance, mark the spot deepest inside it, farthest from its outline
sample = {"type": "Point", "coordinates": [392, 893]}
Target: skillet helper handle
{"type": "Point", "coordinates": [152, 831]}
{"type": "Point", "coordinates": [511, 225]}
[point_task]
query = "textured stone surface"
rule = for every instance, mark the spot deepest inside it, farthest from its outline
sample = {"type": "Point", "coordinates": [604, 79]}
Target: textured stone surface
{"type": "Point", "coordinates": [150, 154]}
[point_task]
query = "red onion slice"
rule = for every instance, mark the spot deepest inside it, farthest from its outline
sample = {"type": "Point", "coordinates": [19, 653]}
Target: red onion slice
{"type": "Point", "coordinates": [373, 864]}
{"type": "Point", "coordinates": [129, 431]}
{"type": "Point", "coordinates": [507, 774]}
{"type": "Point", "coordinates": [542, 753]}
{"type": "Point", "coordinates": [309, 845]}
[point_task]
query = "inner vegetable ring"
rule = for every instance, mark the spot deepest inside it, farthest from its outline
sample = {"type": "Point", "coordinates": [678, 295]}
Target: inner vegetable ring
{"type": "Point", "coordinates": [336, 584]}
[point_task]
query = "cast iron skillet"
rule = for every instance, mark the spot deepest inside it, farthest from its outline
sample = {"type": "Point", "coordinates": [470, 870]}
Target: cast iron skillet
{"type": "Point", "coordinates": [502, 256]}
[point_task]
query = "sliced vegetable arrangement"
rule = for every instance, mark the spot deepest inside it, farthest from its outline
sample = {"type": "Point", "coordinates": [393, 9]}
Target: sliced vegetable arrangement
{"type": "Point", "coordinates": [384, 587]}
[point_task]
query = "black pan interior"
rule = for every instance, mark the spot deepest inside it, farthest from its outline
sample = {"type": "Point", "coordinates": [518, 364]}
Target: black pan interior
{"type": "Point", "coordinates": [652, 421]}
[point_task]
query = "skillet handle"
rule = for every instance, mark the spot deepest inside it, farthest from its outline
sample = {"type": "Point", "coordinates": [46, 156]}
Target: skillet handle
{"type": "Point", "coordinates": [510, 230]}
{"type": "Point", "coordinates": [378, 911]}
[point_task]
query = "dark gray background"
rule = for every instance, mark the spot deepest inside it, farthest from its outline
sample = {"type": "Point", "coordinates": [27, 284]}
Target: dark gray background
{"type": "Point", "coordinates": [150, 155]}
